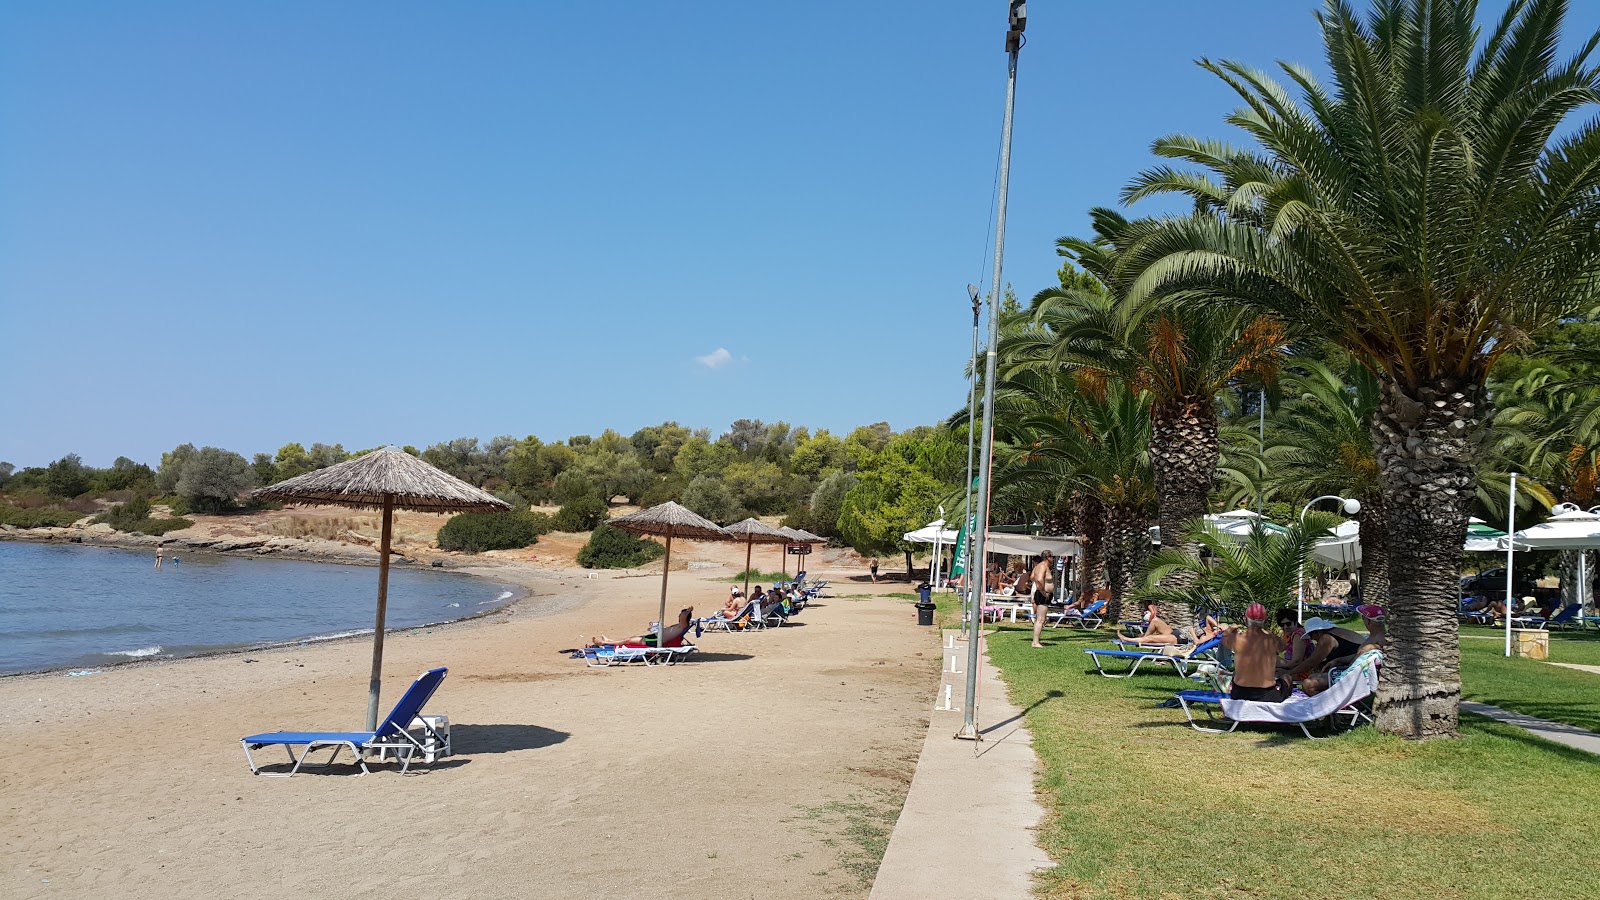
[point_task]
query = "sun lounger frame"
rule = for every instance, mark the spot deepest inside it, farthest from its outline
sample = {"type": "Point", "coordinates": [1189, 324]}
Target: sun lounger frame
{"type": "Point", "coordinates": [392, 734]}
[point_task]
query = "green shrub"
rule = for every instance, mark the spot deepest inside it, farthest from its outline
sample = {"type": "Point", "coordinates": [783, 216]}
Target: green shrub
{"type": "Point", "coordinates": [123, 515]}
{"type": "Point", "coordinates": [543, 523]}
{"type": "Point", "coordinates": [611, 548]}
{"type": "Point", "coordinates": [582, 514]}
{"type": "Point", "coordinates": [476, 532]}
{"type": "Point", "coordinates": [39, 517]}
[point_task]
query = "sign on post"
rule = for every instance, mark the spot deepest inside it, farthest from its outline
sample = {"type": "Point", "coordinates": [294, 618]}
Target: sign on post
{"type": "Point", "coordinates": [799, 549]}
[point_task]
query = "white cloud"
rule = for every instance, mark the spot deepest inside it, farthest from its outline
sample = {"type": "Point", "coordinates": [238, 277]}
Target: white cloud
{"type": "Point", "coordinates": [715, 359]}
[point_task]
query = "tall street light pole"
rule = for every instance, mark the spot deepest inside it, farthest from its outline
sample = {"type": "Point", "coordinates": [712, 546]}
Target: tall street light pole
{"type": "Point", "coordinates": [1017, 21]}
{"type": "Point", "coordinates": [1351, 507]}
{"type": "Point", "coordinates": [971, 607]}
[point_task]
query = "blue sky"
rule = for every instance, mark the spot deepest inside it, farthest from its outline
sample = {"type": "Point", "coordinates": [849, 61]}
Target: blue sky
{"type": "Point", "coordinates": [402, 223]}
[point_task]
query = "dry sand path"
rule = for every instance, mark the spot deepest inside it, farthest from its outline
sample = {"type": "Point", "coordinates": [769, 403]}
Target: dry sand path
{"type": "Point", "coordinates": [773, 766]}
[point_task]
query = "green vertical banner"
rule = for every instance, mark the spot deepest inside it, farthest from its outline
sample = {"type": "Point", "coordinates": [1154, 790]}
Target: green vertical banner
{"type": "Point", "coordinates": [959, 566]}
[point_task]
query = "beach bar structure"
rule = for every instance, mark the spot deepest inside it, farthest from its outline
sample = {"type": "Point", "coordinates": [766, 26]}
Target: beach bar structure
{"type": "Point", "coordinates": [387, 480]}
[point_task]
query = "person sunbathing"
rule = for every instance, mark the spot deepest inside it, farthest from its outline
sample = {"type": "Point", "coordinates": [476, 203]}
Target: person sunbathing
{"type": "Point", "coordinates": [734, 605]}
{"type": "Point", "coordinates": [671, 637]}
{"type": "Point", "coordinates": [1156, 632]}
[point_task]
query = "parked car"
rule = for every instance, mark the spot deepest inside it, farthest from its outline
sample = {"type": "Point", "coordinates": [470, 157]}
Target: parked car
{"type": "Point", "coordinates": [1491, 583]}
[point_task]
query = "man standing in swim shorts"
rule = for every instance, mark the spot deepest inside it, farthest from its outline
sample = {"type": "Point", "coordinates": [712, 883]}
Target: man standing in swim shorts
{"type": "Point", "coordinates": [1255, 659]}
{"type": "Point", "coordinates": [1042, 581]}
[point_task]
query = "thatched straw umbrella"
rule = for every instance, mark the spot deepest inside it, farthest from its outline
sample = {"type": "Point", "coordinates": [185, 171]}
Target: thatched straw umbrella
{"type": "Point", "coordinates": [753, 530]}
{"type": "Point", "coordinates": [794, 536]}
{"type": "Point", "coordinates": [386, 479]}
{"type": "Point", "coordinates": [668, 519]}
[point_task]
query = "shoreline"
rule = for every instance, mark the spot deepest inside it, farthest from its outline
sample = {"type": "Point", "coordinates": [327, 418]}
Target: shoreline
{"type": "Point", "coordinates": [522, 580]}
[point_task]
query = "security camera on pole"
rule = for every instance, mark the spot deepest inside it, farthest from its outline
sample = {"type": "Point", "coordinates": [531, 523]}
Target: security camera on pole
{"type": "Point", "coordinates": [1018, 20]}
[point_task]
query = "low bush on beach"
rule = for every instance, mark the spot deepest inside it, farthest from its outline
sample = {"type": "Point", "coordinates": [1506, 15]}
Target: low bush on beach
{"type": "Point", "coordinates": [609, 548]}
{"type": "Point", "coordinates": [476, 532]}
{"type": "Point", "coordinates": [582, 514]}
{"type": "Point", "coordinates": [759, 576]}
{"type": "Point", "coordinates": [328, 528]}
{"type": "Point", "coordinates": [134, 517]}
{"type": "Point", "coordinates": [37, 517]}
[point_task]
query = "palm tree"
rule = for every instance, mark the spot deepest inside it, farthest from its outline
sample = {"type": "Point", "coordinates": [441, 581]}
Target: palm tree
{"type": "Point", "coordinates": [1321, 443]}
{"type": "Point", "coordinates": [1184, 356]}
{"type": "Point", "coordinates": [1551, 427]}
{"type": "Point", "coordinates": [1426, 212]}
{"type": "Point", "coordinates": [1232, 575]}
{"type": "Point", "coordinates": [1101, 451]}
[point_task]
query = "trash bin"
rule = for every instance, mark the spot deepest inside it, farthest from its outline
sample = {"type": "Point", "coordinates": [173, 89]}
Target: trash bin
{"type": "Point", "coordinates": [925, 613]}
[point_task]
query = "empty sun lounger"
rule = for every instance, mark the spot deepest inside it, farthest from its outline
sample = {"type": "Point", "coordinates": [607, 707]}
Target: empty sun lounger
{"type": "Point", "coordinates": [1090, 617]}
{"type": "Point", "coordinates": [1358, 682]}
{"type": "Point", "coordinates": [391, 734]}
{"type": "Point", "coordinates": [1179, 658]}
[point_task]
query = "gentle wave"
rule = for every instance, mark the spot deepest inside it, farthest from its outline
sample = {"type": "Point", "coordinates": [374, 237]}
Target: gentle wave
{"type": "Point", "coordinates": [135, 654]}
{"type": "Point", "coordinates": [505, 595]}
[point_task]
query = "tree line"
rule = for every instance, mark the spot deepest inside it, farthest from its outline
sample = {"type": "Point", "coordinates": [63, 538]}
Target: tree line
{"type": "Point", "coordinates": [865, 488]}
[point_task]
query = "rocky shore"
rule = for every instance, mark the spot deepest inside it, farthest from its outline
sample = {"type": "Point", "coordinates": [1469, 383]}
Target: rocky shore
{"type": "Point", "coordinates": [195, 540]}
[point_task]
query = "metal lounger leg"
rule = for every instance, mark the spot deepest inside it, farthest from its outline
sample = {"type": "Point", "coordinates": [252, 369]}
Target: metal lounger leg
{"type": "Point", "coordinates": [1209, 718]}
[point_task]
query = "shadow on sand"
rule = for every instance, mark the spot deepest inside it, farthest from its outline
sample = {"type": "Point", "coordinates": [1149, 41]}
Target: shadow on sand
{"type": "Point", "coordinates": [472, 740]}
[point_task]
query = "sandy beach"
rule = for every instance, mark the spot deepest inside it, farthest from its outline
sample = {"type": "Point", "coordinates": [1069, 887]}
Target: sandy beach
{"type": "Point", "coordinates": [765, 768]}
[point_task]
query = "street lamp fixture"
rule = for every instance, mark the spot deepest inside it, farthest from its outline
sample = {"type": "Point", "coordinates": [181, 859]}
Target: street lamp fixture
{"type": "Point", "coordinates": [1351, 506]}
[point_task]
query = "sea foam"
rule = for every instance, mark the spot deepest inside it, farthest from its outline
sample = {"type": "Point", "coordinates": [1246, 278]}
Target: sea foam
{"type": "Point", "coordinates": [136, 654]}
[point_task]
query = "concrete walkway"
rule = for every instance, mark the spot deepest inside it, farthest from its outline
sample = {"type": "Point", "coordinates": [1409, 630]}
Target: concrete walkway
{"type": "Point", "coordinates": [1570, 735]}
{"type": "Point", "coordinates": [967, 826]}
{"type": "Point", "coordinates": [1580, 667]}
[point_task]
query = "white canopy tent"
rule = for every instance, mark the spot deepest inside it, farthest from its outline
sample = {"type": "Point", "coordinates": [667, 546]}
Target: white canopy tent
{"type": "Point", "coordinates": [932, 533]}
{"type": "Point", "coordinates": [1032, 545]}
{"type": "Point", "coordinates": [940, 537]}
{"type": "Point", "coordinates": [1571, 528]}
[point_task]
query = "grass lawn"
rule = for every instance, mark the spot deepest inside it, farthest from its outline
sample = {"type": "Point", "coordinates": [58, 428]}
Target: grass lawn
{"type": "Point", "coordinates": [1534, 687]}
{"type": "Point", "coordinates": [1140, 805]}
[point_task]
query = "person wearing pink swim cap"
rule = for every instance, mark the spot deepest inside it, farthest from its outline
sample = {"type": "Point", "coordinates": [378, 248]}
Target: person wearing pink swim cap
{"type": "Point", "coordinates": [1255, 659]}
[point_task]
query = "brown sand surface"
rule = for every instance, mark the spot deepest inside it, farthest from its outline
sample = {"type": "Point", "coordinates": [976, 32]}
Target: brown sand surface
{"type": "Point", "coordinates": [772, 766]}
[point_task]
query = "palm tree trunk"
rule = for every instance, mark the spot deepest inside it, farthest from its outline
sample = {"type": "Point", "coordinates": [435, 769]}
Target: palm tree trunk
{"type": "Point", "coordinates": [1374, 550]}
{"type": "Point", "coordinates": [1425, 438]}
{"type": "Point", "coordinates": [1569, 577]}
{"type": "Point", "coordinates": [1183, 457]}
{"type": "Point", "coordinates": [1127, 542]}
{"type": "Point", "coordinates": [1091, 523]}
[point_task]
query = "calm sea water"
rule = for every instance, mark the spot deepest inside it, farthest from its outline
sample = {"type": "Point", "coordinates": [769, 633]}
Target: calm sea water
{"type": "Point", "coordinates": [76, 606]}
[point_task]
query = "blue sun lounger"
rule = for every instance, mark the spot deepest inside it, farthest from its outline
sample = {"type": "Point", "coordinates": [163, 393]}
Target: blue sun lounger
{"type": "Point", "coordinates": [1078, 620]}
{"type": "Point", "coordinates": [391, 734]}
{"type": "Point", "coordinates": [1179, 661]}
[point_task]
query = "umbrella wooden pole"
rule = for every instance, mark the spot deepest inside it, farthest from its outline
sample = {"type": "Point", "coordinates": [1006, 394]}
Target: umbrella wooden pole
{"type": "Point", "coordinates": [666, 566]}
{"type": "Point", "coordinates": [749, 544]}
{"type": "Point", "coordinates": [383, 602]}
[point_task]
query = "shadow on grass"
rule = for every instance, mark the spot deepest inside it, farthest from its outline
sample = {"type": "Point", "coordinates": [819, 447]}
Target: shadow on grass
{"type": "Point", "coordinates": [475, 739]}
{"type": "Point", "coordinates": [1533, 742]}
{"type": "Point", "coordinates": [1048, 696]}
